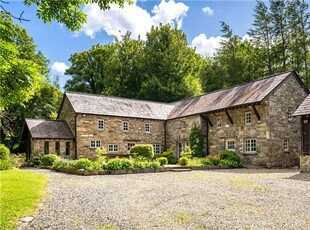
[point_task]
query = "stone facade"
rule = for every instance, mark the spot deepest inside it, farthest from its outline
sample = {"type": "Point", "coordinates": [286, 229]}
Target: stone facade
{"type": "Point", "coordinates": [38, 145]}
{"type": "Point", "coordinates": [113, 134]}
{"type": "Point", "coordinates": [305, 164]}
{"type": "Point", "coordinates": [67, 114]}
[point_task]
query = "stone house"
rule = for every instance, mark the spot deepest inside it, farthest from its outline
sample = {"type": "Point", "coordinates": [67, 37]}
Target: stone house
{"type": "Point", "coordinates": [254, 119]}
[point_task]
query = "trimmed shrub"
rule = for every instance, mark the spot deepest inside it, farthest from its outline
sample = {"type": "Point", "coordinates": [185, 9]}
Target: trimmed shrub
{"type": "Point", "coordinates": [48, 159]}
{"type": "Point", "coordinates": [230, 155]}
{"type": "Point", "coordinates": [183, 161]}
{"type": "Point", "coordinates": [144, 150]}
{"type": "Point", "coordinates": [196, 141]}
{"type": "Point", "coordinates": [83, 163]}
{"type": "Point", "coordinates": [35, 161]}
{"type": "Point", "coordinates": [4, 152]}
{"type": "Point", "coordinates": [229, 163]}
{"type": "Point", "coordinates": [117, 164]}
{"type": "Point", "coordinates": [195, 162]}
{"type": "Point", "coordinates": [169, 154]}
{"type": "Point", "coordinates": [187, 152]}
{"type": "Point", "coordinates": [153, 164]}
{"type": "Point", "coordinates": [162, 160]}
{"type": "Point", "coordinates": [139, 164]}
{"type": "Point", "coordinates": [5, 164]}
{"type": "Point", "coordinates": [206, 161]}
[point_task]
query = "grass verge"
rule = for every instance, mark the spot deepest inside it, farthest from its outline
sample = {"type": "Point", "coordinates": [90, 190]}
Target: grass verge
{"type": "Point", "coordinates": [20, 191]}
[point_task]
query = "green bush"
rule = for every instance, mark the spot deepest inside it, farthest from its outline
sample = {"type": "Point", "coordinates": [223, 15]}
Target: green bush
{"type": "Point", "coordinates": [206, 161]}
{"type": "Point", "coordinates": [196, 141]}
{"type": "Point", "coordinates": [138, 163]}
{"type": "Point", "coordinates": [48, 159]}
{"type": "Point", "coordinates": [5, 164]}
{"type": "Point", "coordinates": [4, 152]}
{"type": "Point", "coordinates": [63, 164]}
{"type": "Point", "coordinates": [117, 164]}
{"type": "Point", "coordinates": [35, 161]}
{"type": "Point", "coordinates": [195, 162]}
{"type": "Point", "coordinates": [153, 164]}
{"type": "Point", "coordinates": [187, 152]}
{"type": "Point", "coordinates": [183, 161]}
{"type": "Point", "coordinates": [162, 160]}
{"type": "Point", "coordinates": [214, 158]}
{"type": "Point", "coordinates": [229, 163]}
{"type": "Point", "coordinates": [17, 160]}
{"type": "Point", "coordinates": [83, 163]}
{"type": "Point", "coordinates": [169, 154]}
{"type": "Point", "coordinates": [144, 150]}
{"type": "Point", "coordinates": [230, 155]}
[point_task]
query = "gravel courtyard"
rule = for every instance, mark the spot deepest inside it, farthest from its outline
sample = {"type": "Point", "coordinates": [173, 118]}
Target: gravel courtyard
{"type": "Point", "coordinates": [221, 199]}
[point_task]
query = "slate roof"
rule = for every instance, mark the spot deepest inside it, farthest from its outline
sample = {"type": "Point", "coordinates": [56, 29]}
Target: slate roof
{"type": "Point", "coordinates": [246, 94]}
{"type": "Point", "coordinates": [304, 108]}
{"type": "Point", "coordinates": [48, 129]}
{"type": "Point", "coordinates": [113, 106]}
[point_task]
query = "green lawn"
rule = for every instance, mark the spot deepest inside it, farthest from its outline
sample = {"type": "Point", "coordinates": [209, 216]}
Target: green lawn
{"type": "Point", "coordinates": [20, 192]}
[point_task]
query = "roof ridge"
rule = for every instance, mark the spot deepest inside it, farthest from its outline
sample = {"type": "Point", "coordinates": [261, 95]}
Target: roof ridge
{"type": "Point", "coordinates": [42, 119]}
{"type": "Point", "coordinates": [235, 86]}
{"type": "Point", "coordinates": [119, 98]}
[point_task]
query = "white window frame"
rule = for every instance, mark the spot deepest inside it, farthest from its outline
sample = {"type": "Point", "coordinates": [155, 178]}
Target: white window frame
{"type": "Point", "coordinates": [290, 112]}
{"type": "Point", "coordinates": [95, 144]}
{"type": "Point", "coordinates": [131, 144]}
{"type": "Point", "coordinates": [183, 125]}
{"type": "Point", "coordinates": [157, 149]}
{"type": "Point", "coordinates": [112, 148]}
{"type": "Point", "coordinates": [100, 125]}
{"type": "Point", "coordinates": [182, 146]}
{"type": "Point", "coordinates": [248, 118]}
{"type": "Point", "coordinates": [286, 144]}
{"type": "Point", "coordinates": [125, 126]}
{"type": "Point", "coordinates": [147, 127]}
{"type": "Point", "coordinates": [227, 144]}
{"type": "Point", "coordinates": [219, 122]}
{"type": "Point", "coordinates": [249, 146]}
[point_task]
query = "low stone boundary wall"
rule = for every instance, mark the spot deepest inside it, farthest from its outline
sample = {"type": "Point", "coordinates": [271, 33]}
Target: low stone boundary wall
{"type": "Point", "coordinates": [305, 164]}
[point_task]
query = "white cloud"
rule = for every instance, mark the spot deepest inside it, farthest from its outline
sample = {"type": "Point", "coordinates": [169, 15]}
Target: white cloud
{"type": "Point", "coordinates": [117, 21]}
{"type": "Point", "coordinates": [206, 46]}
{"type": "Point", "coordinates": [59, 67]}
{"type": "Point", "coordinates": [207, 10]}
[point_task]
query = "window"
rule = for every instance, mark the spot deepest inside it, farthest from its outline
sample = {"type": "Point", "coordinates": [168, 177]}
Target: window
{"type": "Point", "coordinates": [57, 147]}
{"type": "Point", "coordinates": [250, 145]}
{"type": "Point", "coordinates": [113, 148]}
{"type": "Point", "coordinates": [285, 145]}
{"type": "Point", "coordinates": [290, 113]}
{"type": "Point", "coordinates": [100, 124]}
{"type": "Point", "coordinates": [248, 118]}
{"type": "Point", "coordinates": [219, 122]}
{"type": "Point", "coordinates": [156, 149]}
{"type": "Point", "coordinates": [129, 145]}
{"type": "Point", "coordinates": [147, 127]}
{"type": "Point", "coordinates": [230, 144]}
{"type": "Point", "coordinates": [67, 148]}
{"type": "Point", "coordinates": [46, 147]}
{"type": "Point", "coordinates": [183, 125]}
{"type": "Point", "coordinates": [125, 126]}
{"type": "Point", "coordinates": [181, 147]}
{"type": "Point", "coordinates": [95, 144]}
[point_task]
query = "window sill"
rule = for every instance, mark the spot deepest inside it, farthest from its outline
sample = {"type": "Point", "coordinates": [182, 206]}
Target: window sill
{"type": "Point", "coordinates": [249, 153]}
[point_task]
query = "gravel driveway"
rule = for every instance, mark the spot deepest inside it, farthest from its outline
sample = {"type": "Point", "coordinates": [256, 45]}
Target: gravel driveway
{"type": "Point", "coordinates": [221, 199]}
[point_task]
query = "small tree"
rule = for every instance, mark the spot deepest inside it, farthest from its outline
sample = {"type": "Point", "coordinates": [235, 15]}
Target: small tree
{"type": "Point", "coordinates": [144, 151]}
{"type": "Point", "coordinates": [196, 142]}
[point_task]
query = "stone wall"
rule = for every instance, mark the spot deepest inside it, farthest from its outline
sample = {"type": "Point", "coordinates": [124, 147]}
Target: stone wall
{"type": "Point", "coordinates": [289, 95]}
{"type": "Point", "coordinates": [87, 130]}
{"type": "Point", "coordinates": [178, 131]}
{"type": "Point", "coordinates": [67, 114]}
{"type": "Point", "coordinates": [239, 131]}
{"type": "Point", "coordinates": [305, 164]}
{"type": "Point", "coordinates": [37, 146]}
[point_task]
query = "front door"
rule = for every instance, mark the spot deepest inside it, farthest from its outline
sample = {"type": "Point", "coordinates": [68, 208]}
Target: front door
{"type": "Point", "coordinates": [306, 135]}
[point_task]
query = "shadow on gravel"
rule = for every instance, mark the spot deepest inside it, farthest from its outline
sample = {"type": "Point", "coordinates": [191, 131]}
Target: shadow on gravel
{"type": "Point", "coordinates": [300, 176]}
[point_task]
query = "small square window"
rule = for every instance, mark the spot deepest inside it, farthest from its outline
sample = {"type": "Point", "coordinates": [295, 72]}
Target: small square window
{"type": "Point", "coordinates": [250, 145]}
{"type": "Point", "coordinates": [125, 126]}
{"type": "Point", "coordinates": [248, 118]}
{"type": "Point", "coordinates": [95, 144]}
{"type": "Point", "coordinates": [183, 125]}
{"type": "Point", "coordinates": [156, 149]}
{"type": "Point", "coordinates": [219, 122]}
{"type": "Point", "coordinates": [290, 113]}
{"type": "Point", "coordinates": [113, 148]}
{"type": "Point", "coordinates": [286, 145]}
{"type": "Point", "coordinates": [101, 124]}
{"type": "Point", "coordinates": [147, 127]}
{"type": "Point", "coordinates": [129, 145]}
{"type": "Point", "coordinates": [230, 144]}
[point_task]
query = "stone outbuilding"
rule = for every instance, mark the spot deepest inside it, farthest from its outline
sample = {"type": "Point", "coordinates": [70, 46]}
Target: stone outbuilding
{"type": "Point", "coordinates": [303, 112]}
{"type": "Point", "coordinates": [253, 119]}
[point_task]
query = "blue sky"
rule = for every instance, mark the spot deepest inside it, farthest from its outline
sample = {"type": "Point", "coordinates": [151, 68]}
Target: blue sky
{"type": "Point", "coordinates": [199, 19]}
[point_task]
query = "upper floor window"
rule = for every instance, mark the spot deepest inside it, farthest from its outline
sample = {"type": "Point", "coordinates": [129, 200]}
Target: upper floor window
{"type": "Point", "coordinates": [125, 126]}
{"type": "Point", "coordinates": [285, 145]}
{"type": "Point", "coordinates": [230, 144]}
{"type": "Point", "coordinates": [250, 145]}
{"type": "Point", "coordinates": [113, 148]}
{"type": "Point", "coordinates": [157, 149]}
{"type": "Point", "coordinates": [290, 113]}
{"type": "Point", "coordinates": [147, 127]}
{"type": "Point", "coordinates": [129, 145]}
{"type": "Point", "coordinates": [95, 144]}
{"type": "Point", "coordinates": [248, 118]}
{"type": "Point", "coordinates": [183, 125]}
{"type": "Point", "coordinates": [219, 122]}
{"type": "Point", "coordinates": [100, 124]}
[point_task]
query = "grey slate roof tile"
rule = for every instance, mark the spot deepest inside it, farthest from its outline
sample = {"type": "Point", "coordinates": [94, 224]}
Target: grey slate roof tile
{"type": "Point", "coordinates": [304, 108]}
{"type": "Point", "coordinates": [49, 129]}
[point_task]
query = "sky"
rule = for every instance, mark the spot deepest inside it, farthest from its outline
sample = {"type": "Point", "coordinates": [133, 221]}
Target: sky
{"type": "Point", "coordinates": [199, 19]}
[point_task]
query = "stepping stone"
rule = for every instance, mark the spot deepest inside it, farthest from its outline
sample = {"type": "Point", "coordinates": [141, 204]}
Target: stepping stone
{"type": "Point", "coordinates": [26, 219]}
